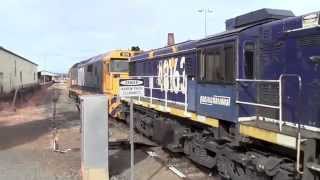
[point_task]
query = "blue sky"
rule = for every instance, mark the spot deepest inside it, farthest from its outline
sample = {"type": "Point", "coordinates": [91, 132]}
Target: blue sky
{"type": "Point", "coordinates": [57, 33]}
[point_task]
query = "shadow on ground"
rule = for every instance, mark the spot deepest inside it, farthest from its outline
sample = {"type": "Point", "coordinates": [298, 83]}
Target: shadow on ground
{"type": "Point", "coordinates": [119, 161]}
{"type": "Point", "coordinates": [15, 135]}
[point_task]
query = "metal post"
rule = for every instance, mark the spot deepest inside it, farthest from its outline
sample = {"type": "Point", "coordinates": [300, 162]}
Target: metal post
{"type": "Point", "coordinates": [205, 13]}
{"type": "Point", "coordinates": [131, 141]}
{"type": "Point", "coordinates": [186, 94]}
{"type": "Point", "coordinates": [151, 88]}
{"type": "Point", "coordinates": [280, 103]}
{"type": "Point", "coordinates": [166, 99]}
{"type": "Point", "coordinates": [139, 96]}
{"type": "Point", "coordinates": [205, 23]}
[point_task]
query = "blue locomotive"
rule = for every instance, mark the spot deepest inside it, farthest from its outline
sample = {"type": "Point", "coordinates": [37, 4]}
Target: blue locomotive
{"type": "Point", "coordinates": [245, 102]}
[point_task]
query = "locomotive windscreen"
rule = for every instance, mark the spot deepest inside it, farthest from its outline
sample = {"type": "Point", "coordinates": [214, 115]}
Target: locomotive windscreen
{"type": "Point", "coordinates": [119, 66]}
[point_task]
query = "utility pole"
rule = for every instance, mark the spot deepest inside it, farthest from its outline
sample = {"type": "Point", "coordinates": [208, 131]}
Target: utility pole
{"type": "Point", "coordinates": [205, 12]}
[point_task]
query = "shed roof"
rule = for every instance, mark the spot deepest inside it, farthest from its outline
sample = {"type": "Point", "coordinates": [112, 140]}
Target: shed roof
{"type": "Point", "coordinates": [10, 52]}
{"type": "Point", "coordinates": [47, 73]}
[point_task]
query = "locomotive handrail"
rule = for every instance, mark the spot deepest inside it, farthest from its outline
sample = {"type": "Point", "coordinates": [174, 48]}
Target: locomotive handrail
{"type": "Point", "coordinates": [298, 138]}
{"type": "Point", "coordinates": [151, 88]}
{"type": "Point", "coordinates": [256, 80]}
{"type": "Point", "coordinates": [280, 95]}
{"type": "Point", "coordinates": [257, 104]}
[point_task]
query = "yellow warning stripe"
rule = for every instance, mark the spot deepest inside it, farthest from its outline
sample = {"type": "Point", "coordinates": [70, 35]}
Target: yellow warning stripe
{"type": "Point", "coordinates": [268, 136]}
{"type": "Point", "coordinates": [181, 113]}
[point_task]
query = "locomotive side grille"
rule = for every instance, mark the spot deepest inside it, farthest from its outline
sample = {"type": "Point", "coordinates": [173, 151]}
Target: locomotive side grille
{"type": "Point", "coordinates": [313, 40]}
{"type": "Point", "coordinates": [268, 94]}
{"type": "Point", "coordinates": [190, 68]}
{"type": "Point", "coordinates": [266, 34]}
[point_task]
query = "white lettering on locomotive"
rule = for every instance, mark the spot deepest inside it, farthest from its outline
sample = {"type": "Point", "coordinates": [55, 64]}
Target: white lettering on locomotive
{"type": "Point", "coordinates": [215, 100]}
{"type": "Point", "coordinates": [169, 77]}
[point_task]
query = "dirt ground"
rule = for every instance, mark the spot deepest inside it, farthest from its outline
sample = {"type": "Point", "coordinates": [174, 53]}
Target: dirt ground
{"type": "Point", "coordinates": [26, 138]}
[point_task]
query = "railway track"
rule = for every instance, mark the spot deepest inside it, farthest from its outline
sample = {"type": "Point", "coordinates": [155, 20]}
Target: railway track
{"type": "Point", "coordinates": [176, 162]}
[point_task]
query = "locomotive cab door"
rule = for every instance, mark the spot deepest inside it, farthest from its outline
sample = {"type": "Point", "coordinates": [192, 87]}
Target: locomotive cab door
{"type": "Point", "coordinates": [107, 78]}
{"type": "Point", "coordinates": [216, 80]}
{"type": "Point", "coordinates": [256, 61]}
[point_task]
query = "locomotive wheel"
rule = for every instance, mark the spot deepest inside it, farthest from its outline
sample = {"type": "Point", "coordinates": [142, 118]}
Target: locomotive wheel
{"type": "Point", "coordinates": [199, 154]}
{"type": "Point", "coordinates": [230, 170]}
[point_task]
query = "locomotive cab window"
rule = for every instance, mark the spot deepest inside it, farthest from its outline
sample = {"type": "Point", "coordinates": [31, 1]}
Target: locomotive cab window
{"type": "Point", "coordinates": [249, 61]}
{"type": "Point", "coordinates": [89, 68]}
{"type": "Point", "coordinates": [119, 65]}
{"type": "Point", "coordinates": [216, 64]}
{"type": "Point", "coordinates": [95, 71]}
{"type": "Point", "coordinates": [132, 68]}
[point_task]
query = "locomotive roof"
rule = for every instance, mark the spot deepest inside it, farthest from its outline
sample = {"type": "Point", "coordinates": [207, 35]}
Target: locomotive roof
{"type": "Point", "coordinates": [258, 16]}
{"type": "Point", "coordinates": [176, 48]}
{"type": "Point", "coordinates": [95, 58]}
{"type": "Point", "coordinates": [75, 65]}
{"type": "Point", "coordinates": [188, 45]}
{"type": "Point", "coordinates": [100, 57]}
{"type": "Point", "coordinates": [224, 34]}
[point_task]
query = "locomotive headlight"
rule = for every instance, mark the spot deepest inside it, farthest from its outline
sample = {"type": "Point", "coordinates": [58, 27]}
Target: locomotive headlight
{"type": "Point", "coordinates": [311, 20]}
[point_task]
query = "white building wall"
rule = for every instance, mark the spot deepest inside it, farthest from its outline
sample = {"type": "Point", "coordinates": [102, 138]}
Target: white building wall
{"type": "Point", "coordinates": [11, 67]}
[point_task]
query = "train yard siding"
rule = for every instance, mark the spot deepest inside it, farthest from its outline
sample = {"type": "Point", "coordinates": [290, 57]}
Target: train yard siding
{"type": "Point", "coordinates": [148, 167]}
{"type": "Point", "coordinates": [26, 135]}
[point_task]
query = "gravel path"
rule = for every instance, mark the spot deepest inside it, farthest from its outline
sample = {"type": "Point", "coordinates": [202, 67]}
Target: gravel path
{"type": "Point", "coordinates": [26, 137]}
